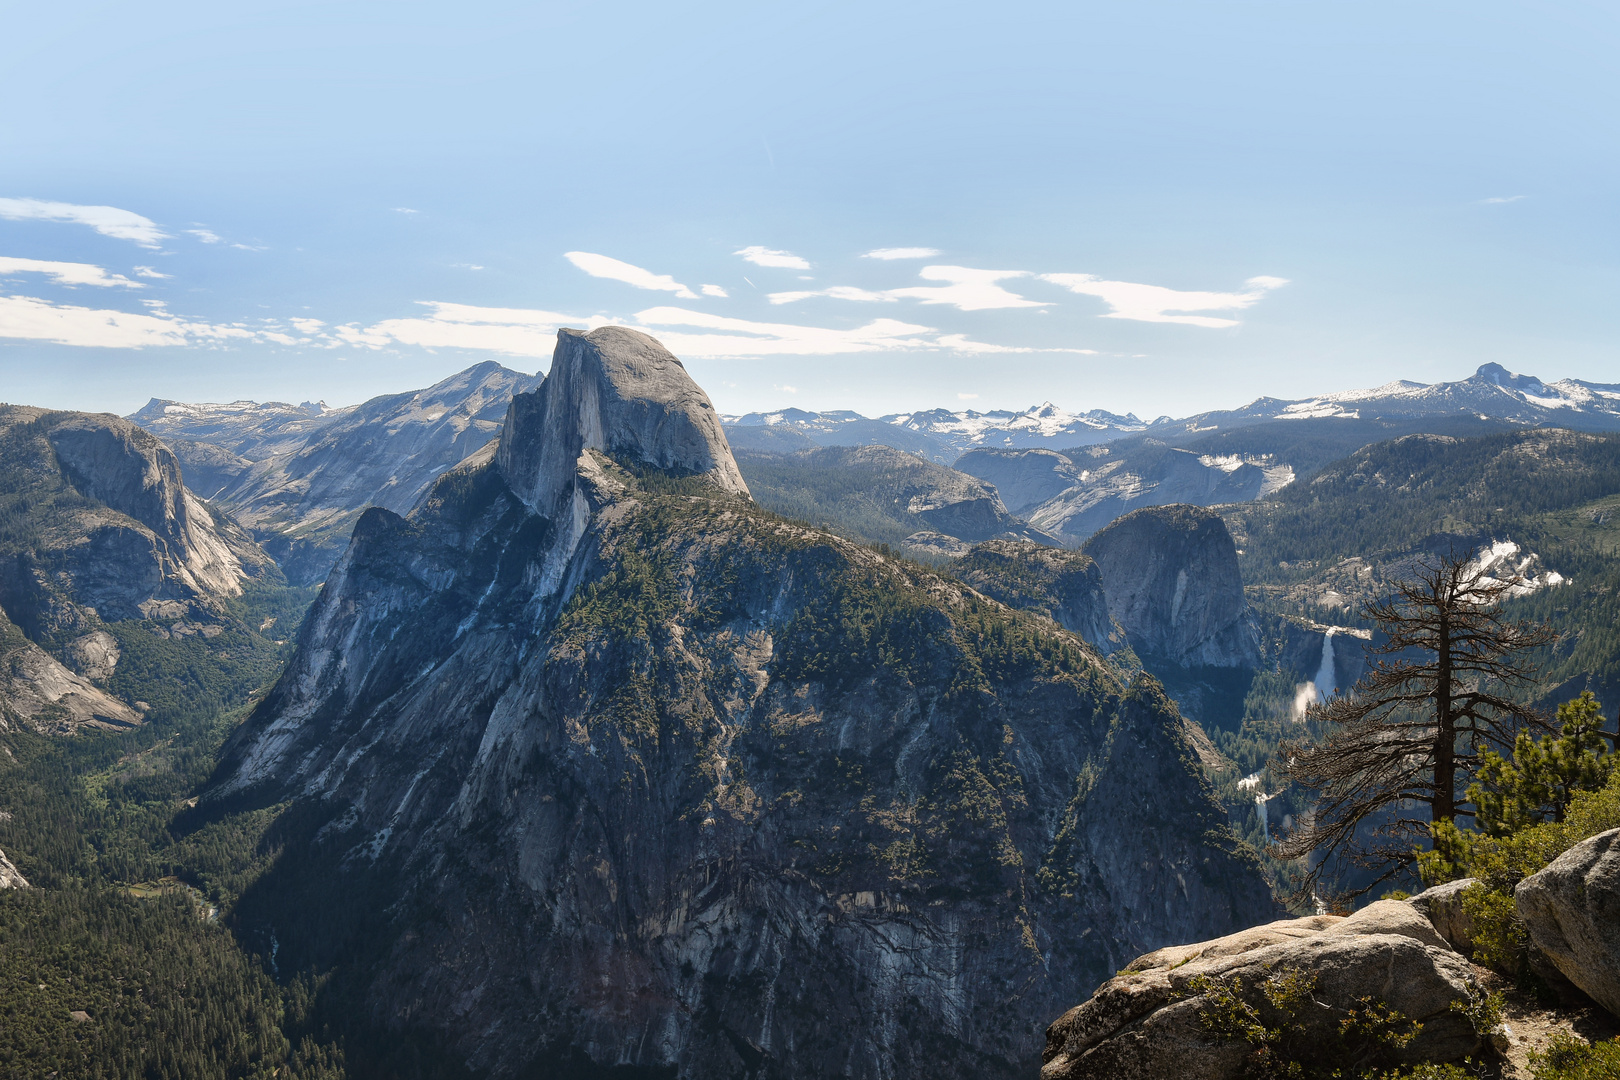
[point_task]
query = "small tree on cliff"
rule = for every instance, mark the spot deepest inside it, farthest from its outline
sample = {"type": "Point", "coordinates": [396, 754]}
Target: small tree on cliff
{"type": "Point", "coordinates": [1410, 733]}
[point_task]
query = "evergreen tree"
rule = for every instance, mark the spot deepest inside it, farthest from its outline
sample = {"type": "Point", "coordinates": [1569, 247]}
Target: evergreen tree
{"type": "Point", "coordinates": [1544, 774]}
{"type": "Point", "coordinates": [1418, 722]}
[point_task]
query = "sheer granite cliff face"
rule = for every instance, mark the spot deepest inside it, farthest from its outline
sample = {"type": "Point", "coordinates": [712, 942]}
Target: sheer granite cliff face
{"type": "Point", "coordinates": [104, 523]}
{"type": "Point", "coordinates": [1172, 580]}
{"type": "Point", "coordinates": [591, 760]}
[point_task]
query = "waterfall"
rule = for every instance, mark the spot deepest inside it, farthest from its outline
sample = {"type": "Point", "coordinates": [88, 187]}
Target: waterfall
{"type": "Point", "coordinates": [1260, 809]}
{"type": "Point", "coordinates": [1326, 680]}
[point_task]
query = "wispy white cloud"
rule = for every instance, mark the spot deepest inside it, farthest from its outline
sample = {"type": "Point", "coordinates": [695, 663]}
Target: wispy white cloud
{"type": "Point", "coordinates": [967, 397]}
{"type": "Point", "coordinates": [307, 326]}
{"type": "Point", "coordinates": [701, 334]}
{"type": "Point", "coordinates": [66, 273]}
{"type": "Point", "coordinates": [837, 292]}
{"type": "Point", "coordinates": [207, 236]}
{"type": "Point", "coordinates": [604, 267]}
{"type": "Point", "coordinates": [687, 333]}
{"type": "Point", "coordinates": [713, 290]}
{"type": "Point", "coordinates": [781, 260]}
{"type": "Point", "coordinates": [1154, 303]}
{"type": "Point", "coordinates": [1498, 199]}
{"type": "Point", "coordinates": [106, 220]}
{"type": "Point", "coordinates": [150, 272]}
{"type": "Point", "coordinates": [965, 288]}
{"type": "Point", "coordinates": [901, 253]}
{"type": "Point", "coordinates": [32, 319]}
{"type": "Point", "coordinates": [512, 331]}
{"type": "Point", "coordinates": [405, 210]}
{"type": "Point", "coordinates": [465, 266]}
{"type": "Point", "coordinates": [960, 343]}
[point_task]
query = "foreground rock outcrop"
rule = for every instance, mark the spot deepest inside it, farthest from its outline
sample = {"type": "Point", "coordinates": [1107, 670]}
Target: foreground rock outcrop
{"type": "Point", "coordinates": [591, 762]}
{"type": "Point", "coordinates": [1145, 1023]}
{"type": "Point", "coordinates": [1572, 912]}
{"type": "Point", "coordinates": [1172, 581]}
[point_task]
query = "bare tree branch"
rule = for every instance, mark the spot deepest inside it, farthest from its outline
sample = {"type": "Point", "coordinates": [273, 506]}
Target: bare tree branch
{"type": "Point", "coordinates": [1407, 736]}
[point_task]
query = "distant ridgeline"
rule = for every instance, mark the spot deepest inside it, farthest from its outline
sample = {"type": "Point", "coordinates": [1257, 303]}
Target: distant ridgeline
{"type": "Point", "coordinates": [300, 476]}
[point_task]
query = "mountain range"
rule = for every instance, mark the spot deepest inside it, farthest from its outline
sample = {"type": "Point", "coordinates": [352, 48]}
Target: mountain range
{"type": "Point", "coordinates": [299, 476]}
{"type": "Point", "coordinates": [1491, 393]}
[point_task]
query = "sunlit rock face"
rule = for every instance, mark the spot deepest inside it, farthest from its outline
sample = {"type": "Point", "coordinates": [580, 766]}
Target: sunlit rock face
{"type": "Point", "coordinates": [1172, 581]}
{"type": "Point", "coordinates": [590, 760]}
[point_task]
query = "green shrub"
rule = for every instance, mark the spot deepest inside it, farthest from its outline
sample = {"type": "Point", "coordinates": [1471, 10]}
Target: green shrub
{"type": "Point", "coordinates": [1283, 1047]}
{"type": "Point", "coordinates": [1570, 1058]}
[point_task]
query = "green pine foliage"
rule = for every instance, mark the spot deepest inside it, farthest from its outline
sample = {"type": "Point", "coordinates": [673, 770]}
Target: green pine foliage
{"type": "Point", "coordinates": [1543, 775]}
{"type": "Point", "coordinates": [128, 920]}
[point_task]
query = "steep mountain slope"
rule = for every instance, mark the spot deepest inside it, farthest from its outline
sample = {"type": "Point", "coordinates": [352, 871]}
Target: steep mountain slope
{"type": "Point", "coordinates": [97, 529]}
{"type": "Point", "coordinates": [96, 517]}
{"type": "Point", "coordinates": [300, 476]}
{"type": "Point", "coordinates": [250, 429]}
{"type": "Point", "coordinates": [1064, 586]}
{"type": "Point", "coordinates": [879, 494]}
{"type": "Point", "coordinates": [1171, 577]}
{"type": "Point", "coordinates": [38, 692]}
{"type": "Point", "coordinates": [1073, 495]}
{"type": "Point", "coordinates": [595, 765]}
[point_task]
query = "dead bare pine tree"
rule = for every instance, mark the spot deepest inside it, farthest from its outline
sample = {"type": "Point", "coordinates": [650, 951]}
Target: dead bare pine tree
{"type": "Point", "coordinates": [1406, 738]}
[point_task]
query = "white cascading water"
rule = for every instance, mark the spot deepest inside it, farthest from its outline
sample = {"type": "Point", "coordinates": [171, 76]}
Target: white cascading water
{"type": "Point", "coordinates": [1326, 680]}
{"type": "Point", "coordinates": [1260, 801]}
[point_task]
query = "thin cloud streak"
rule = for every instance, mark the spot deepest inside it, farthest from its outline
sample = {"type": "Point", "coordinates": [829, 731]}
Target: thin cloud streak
{"type": "Point", "coordinates": [31, 319]}
{"type": "Point", "coordinates": [901, 253]}
{"type": "Point", "coordinates": [602, 266]}
{"type": "Point", "coordinates": [966, 289]}
{"type": "Point", "coordinates": [106, 220]}
{"type": "Point", "coordinates": [66, 273]}
{"type": "Point", "coordinates": [780, 260]}
{"type": "Point", "coordinates": [1154, 303]}
{"type": "Point", "coordinates": [687, 333]}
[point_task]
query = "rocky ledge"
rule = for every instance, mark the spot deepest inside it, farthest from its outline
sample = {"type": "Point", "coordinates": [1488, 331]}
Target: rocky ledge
{"type": "Point", "coordinates": [1152, 1019]}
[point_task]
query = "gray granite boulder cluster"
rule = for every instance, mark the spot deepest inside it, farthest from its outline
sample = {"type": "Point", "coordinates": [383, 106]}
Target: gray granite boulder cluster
{"type": "Point", "coordinates": [1146, 1021]}
{"type": "Point", "coordinates": [1572, 911]}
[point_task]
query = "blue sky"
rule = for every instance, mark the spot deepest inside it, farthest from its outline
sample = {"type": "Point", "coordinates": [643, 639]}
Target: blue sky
{"type": "Point", "coordinates": [1153, 207]}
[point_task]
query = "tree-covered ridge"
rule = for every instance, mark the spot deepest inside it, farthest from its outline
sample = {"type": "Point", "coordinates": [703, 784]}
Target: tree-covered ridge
{"type": "Point", "coordinates": [1320, 549]}
{"type": "Point", "coordinates": [682, 571]}
{"type": "Point", "coordinates": [875, 494]}
{"type": "Point", "coordinates": [128, 921]}
{"type": "Point", "coordinates": [1390, 497]}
